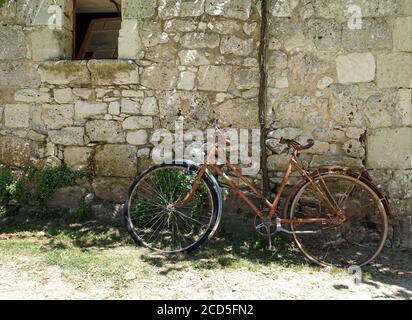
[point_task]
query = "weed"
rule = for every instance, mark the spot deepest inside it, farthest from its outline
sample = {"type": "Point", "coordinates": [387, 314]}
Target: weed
{"type": "Point", "coordinates": [34, 186]}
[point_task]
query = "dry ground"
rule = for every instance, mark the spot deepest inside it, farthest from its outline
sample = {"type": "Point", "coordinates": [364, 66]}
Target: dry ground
{"type": "Point", "coordinates": [49, 258]}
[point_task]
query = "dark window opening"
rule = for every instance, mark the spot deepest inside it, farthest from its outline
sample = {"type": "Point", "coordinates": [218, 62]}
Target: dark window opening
{"type": "Point", "coordinates": [97, 25]}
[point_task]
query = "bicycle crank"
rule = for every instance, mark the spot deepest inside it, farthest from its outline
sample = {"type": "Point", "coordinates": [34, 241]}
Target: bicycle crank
{"type": "Point", "coordinates": [262, 227]}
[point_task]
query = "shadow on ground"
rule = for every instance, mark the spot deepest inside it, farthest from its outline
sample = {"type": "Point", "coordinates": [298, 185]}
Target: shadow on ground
{"type": "Point", "coordinates": [58, 225]}
{"type": "Point", "coordinates": [393, 267]}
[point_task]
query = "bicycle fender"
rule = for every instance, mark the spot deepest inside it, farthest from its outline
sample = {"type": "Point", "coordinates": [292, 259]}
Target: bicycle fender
{"type": "Point", "coordinates": [325, 170]}
{"type": "Point", "coordinates": [191, 165]}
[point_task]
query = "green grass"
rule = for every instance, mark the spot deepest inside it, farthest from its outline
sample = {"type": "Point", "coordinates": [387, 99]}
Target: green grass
{"type": "Point", "coordinates": [82, 251]}
{"type": "Point", "coordinates": [18, 247]}
{"type": "Point", "coordinates": [93, 251]}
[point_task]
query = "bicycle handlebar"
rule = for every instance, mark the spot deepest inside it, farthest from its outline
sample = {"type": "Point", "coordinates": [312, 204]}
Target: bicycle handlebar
{"type": "Point", "coordinates": [219, 124]}
{"type": "Point", "coordinates": [296, 145]}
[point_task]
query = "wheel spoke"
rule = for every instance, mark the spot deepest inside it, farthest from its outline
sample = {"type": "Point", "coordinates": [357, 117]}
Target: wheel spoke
{"type": "Point", "coordinates": [160, 226]}
{"type": "Point", "coordinates": [357, 239]}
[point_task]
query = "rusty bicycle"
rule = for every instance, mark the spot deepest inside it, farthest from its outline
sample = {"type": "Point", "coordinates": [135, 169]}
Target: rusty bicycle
{"type": "Point", "coordinates": [336, 215]}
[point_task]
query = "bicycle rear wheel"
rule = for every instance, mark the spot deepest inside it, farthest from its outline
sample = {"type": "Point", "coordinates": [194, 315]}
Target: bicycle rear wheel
{"type": "Point", "coordinates": [354, 242]}
{"type": "Point", "coordinates": [151, 218]}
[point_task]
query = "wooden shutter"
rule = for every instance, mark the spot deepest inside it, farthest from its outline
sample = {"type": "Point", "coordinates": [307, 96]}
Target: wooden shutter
{"type": "Point", "coordinates": [101, 40]}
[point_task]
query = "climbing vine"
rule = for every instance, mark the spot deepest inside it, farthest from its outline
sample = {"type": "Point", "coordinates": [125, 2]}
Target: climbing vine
{"type": "Point", "coordinates": [262, 98]}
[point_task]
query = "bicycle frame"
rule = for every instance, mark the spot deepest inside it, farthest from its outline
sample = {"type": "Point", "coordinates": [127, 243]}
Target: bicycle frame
{"type": "Point", "coordinates": [293, 163]}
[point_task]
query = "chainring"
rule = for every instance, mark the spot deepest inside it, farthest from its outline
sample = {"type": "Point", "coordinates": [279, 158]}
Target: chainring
{"type": "Point", "coordinates": [261, 229]}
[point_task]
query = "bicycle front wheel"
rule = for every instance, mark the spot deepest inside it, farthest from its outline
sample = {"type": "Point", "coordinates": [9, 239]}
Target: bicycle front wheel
{"type": "Point", "coordinates": [355, 240]}
{"type": "Point", "coordinates": [154, 222]}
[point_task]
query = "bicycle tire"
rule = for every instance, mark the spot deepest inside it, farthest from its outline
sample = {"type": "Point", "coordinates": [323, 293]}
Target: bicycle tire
{"type": "Point", "coordinates": [216, 197]}
{"type": "Point", "coordinates": [382, 215]}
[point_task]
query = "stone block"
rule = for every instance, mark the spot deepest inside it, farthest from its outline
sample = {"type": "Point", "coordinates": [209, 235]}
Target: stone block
{"type": "Point", "coordinates": [329, 134]}
{"type": "Point", "coordinates": [278, 78]}
{"type": "Point", "coordinates": [404, 106]}
{"type": "Point", "coordinates": [402, 34]}
{"type": "Point", "coordinates": [394, 70]}
{"type": "Point", "coordinates": [8, 13]}
{"type": "Point", "coordinates": [405, 7]}
{"type": "Point", "coordinates": [354, 148]}
{"type": "Point", "coordinates": [114, 108]}
{"type": "Point", "coordinates": [277, 59]}
{"type": "Point", "coordinates": [192, 105]}
{"type": "Point", "coordinates": [197, 40]}
{"type": "Point", "coordinates": [17, 73]}
{"type": "Point", "coordinates": [14, 152]}
{"type": "Point", "coordinates": [137, 138]}
{"type": "Point", "coordinates": [375, 34]}
{"type": "Point", "coordinates": [181, 25]}
{"type": "Point", "coordinates": [130, 106]}
{"type": "Point", "coordinates": [63, 95]}
{"type": "Point", "coordinates": [400, 184]}
{"type": "Point", "coordinates": [113, 72]}
{"type": "Point", "coordinates": [56, 117]}
{"type": "Point", "coordinates": [59, 44]}
{"type": "Point", "coordinates": [17, 115]}
{"type": "Point", "coordinates": [129, 40]}
{"type": "Point", "coordinates": [65, 73]}
{"type": "Point", "coordinates": [138, 9]}
{"type": "Point", "coordinates": [214, 78]}
{"type": "Point", "coordinates": [116, 160]}
{"type": "Point", "coordinates": [224, 27]}
{"type": "Point", "coordinates": [332, 160]}
{"type": "Point", "coordinates": [181, 8]}
{"type": "Point", "coordinates": [240, 9]}
{"type": "Point", "coordinates": [356, 67]}
{"type": "Point", "coordinates": [193, 58]}
{"type": "Point", "coordinates": [390, 149]}
{"type": "Point", "coordinates": [405, 232]}
{"type": "Point", "coordinates": [160, 77]}
{"type": "Point", "coordinates": [283, 8]}
{"type": "Point", "coordinates": [240, 113]}
{"type": "Point", "coordinates": [154, 38]}
{"type": "Point", "coordinates": [150, 107]}
{"type": "Point", "coordinates": [326, 34]}
{"type": "Point", "coordinates": [77, 158]}
{"type": "Point", "coordinates": [68, 197]}
{"type": "Point", "coordinates": [112, 189]}
{"type": "Point", "coordinates": [136, 123]}
{"type": "Point", "coordinates": [186, 80]}
{"type": "Point", "coordinates": [84, 93]}
{"type": "Point", "coordinates": [42, 13]}
{"type": "Point", "coordinates": [70, 136]}
{"type": "Point", "coordinates": [32, 96]}
{"type": "Point", "coordinates": [277, 162]}
{"type": "Point", "coordinates": [104, 131]}
{"type": "Point", "coordinates": [247, 78]}
{"type": "Point", "coordinates": [88, 110]}
{"type": "Point", "coordinates": [13, 42]}
{"type": "Point", "coordinates": [236, 46]}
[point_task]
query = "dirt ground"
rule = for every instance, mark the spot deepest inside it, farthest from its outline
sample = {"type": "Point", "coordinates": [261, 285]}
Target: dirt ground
{"type": "Point", "coordinates": [82, 261]}
{"type": "Point", "coordinates": [25, 277]}
{"type": "Point", "coordinates": [19, 281]}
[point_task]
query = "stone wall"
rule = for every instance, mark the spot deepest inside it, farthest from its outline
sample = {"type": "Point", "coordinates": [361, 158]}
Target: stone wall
{"type": "Point", "coordinates": [348, 88]}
